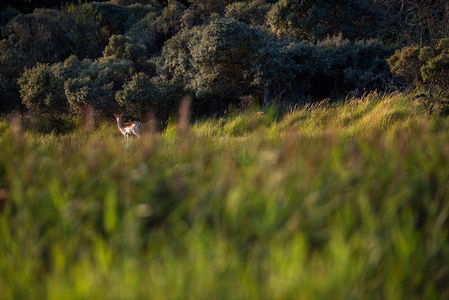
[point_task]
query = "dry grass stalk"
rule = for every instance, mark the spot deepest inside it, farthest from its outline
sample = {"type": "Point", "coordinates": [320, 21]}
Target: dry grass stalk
{"type": "Point", "coordinates": [16, 128]}
{"type": "Point", "coordinates": [89, 119]}
{"type": "Point", "coordinates": [151, 123]}
{"type": "Point", "coordinates": [184, 116]}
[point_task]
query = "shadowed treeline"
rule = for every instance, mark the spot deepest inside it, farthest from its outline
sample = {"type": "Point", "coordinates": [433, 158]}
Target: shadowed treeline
{"type": "Point", "coordinates": [134, 56]}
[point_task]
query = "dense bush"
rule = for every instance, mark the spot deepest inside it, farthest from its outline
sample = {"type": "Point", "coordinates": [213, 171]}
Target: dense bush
{"type": "Point", "coordinates": [315, 20]}
{"type": "Point", "coordinates": [332, 66]}
{"type": "Point", "coordinates": [252, 12]}
{"type": "Point", "coordinates": [145, 33]}
{"type": "Point", "coordinates": [41, 88]}
{"type": "Point", "coordinates": [83, 29]}
{"type": "Point", "coordinates": [407, 63]}
{"type": "Point", "coordinates": [104, 85]}
{"type": "Point", "coordinates": [40, 35]}
{"type": "Point", "coordinates": [12, 64]}
{"type": "Point", "coordinates": [353, 65]}
{"type": "Point", "coordinates": [142, 95]}
{"type": "Point", "coordinates": [49, 35]}
{"type": "Point", "coordinates": [428, 66]}
{"type": "Point", "coordinates": [75, 84]}
{"type": "Point", "coordinates": [227, 59]}
{"type": "Point", "coordinates": [158, 26]}
{"type": "Point", "coordinates": [122, 47]}
{"type": "Point", "coordinates": [169, 22]}
{"type": "Point", "coordinates": [436, 70]}
{"type": "Point", "coordinates": [116, 19]}
{"type": "Point", "coordinates": [413, 22]}
{"type": "Point", "coordinates": [222, 60]}
{"type": "Point", "coordinates": [138, 95]}
{"type": "Point", "coordinates": [6, 14]}
{"type": "Point", "coordinates": [208, 7]}
{"type": "Point", "coordinates": [222, 50]}
{"type": "Point", "coordinates": [97, 88]}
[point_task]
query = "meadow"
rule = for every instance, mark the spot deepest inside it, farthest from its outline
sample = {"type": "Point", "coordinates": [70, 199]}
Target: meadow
{"type": "Point", "coordinates": [344, 200]}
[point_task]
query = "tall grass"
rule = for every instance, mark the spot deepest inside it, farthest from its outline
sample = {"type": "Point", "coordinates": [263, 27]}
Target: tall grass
{"type": "Point", "coordinates": [328, 201]}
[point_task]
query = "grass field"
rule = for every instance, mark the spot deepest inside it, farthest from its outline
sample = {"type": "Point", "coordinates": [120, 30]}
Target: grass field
{"type": "Point", "coordinates": [331, 201]}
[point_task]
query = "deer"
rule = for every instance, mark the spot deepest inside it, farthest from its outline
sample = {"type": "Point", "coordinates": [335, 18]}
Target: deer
{"type": "Point", "coordinates": [127, 128]}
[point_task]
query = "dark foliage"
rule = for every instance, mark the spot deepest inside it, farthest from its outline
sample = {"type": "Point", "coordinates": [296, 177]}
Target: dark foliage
{"type": "Point", "coordinates": [427, 67]}
{"type": "Point", "coordinates": [220, 51]}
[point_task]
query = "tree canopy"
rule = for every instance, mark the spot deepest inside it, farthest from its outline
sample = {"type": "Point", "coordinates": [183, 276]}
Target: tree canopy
{"type": "Point", "coordinates": [65, 55]}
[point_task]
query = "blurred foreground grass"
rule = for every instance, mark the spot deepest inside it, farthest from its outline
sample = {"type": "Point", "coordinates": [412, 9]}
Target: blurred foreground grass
{"type": "Point", "coordinates": [344, 201]}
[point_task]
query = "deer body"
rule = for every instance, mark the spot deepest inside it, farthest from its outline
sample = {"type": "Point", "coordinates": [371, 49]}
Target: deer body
{"type": "Point", "coordinates": [128, 128]}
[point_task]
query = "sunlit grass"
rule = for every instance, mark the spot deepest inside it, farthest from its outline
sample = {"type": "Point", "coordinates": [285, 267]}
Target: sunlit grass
{"type": "Point", "coordinates": [332, 201]}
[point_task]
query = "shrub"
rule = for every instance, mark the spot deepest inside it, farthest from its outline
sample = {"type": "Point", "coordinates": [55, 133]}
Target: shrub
{"type": "Point", "coordinates": [40, 35]}
{"type": "Point", "coordinates": [97, 85]}
{"type": "Point", "coordinates": [79, 93]}
{"type": "Point", "coordinates": [168, 94]}
{"type": "Point", "coordinates": [221, 61]}
{"type": "Point", "coordinates": [138, 95]}
{"type": "Point", "coordinates": [227, 59]}
{"type": "Point", "coordinates": [355, 65]}
{"type": "Point", "coordinates": [12, 64]}
{"type": "Point", "coordinates": [42, 92]}
{"type": "Point", "coordinates": [144, 33]}
{"type": "Point", "coordinates": [315, 20]}
{"type": "Point", "coordinates": [75, 84]}
{"type": "Point", "coordinates": [157, 26]}
{"type": "Point", "coordinates": [42, 89]}
{"type": "Point", "coordinates": [428, 66]}
{"type": "Point", "coordinates": [407, 63]}
{"type": "Point", "coordinates": [84, 31]}
{"type": "Point", "coordinates": [208, 7]}
{"type": "Point", "coordinates": [114, 19]}
{"type": "Point", "coordinates": [335, 65]}
{"type": "Point", "coordinates": [436, 70]}
{"type": "Point", "coordinates": [122, 47]}
{"type": "Point", "coordinates": [252, 13]}
{"type": "Point", "coordinates": [169, 22]}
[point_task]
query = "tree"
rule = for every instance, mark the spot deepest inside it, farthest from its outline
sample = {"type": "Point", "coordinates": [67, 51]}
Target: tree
{"type": "Point", "coordinates": [169, 22]}
{"type": "Point", "coordinates": [407, 62]}
{"type": "Point", "coordinates": [41, 89]}
{"type": "Point", "coordinates": [315, 20]}
{"type": "Point", "coordinates": [252, 12]}
{"type": "Point", "coordinates": [145, 33]}
{"type": "Point", "coordinates": [226, 59]}
{"type": "Point", "coordinates": [138, 96]}
{"type": "Point", "coordinates": [40, 35]}
{"type": "Point", "coordinates": [414, 22]}
{"type": "Point", "coordinates": [436, 70]}
{"type": "Point", "coordinates": [158, 26]}
{"type": "Point", "coordinates": [428, 66]}
{"type": "Point", "coordinates": [208, 7]}
{"type": "Point", "coordinates": [83, 30]}
{"type": "Point", "coordinates": [12, 64]}
{"type": "Point", "coordinates": [436, 76]}
{"type": "Point", "coordinates": [335, 66]}
{"type": "Point", "coordinates": [97, 85]}
{"type": "Point", "coordinates": [221, 61]}
{"type": "Point", "coordinates": [122, 47]}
